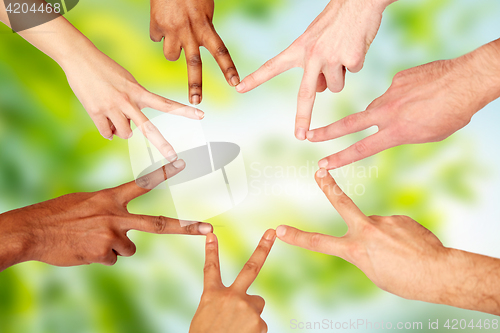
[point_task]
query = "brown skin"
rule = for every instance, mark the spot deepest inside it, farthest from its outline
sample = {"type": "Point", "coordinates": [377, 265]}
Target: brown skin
{"type": "Point", "coordinates": [230, 309]}
{"type": "Point", "coordinates": [402, 257]}
{"type": "Point", "coordinates": [187, 24]}
{"type": "Point", "coordinates": [84, 228]}
{"type": "Point", "coordinates": [427, 103]}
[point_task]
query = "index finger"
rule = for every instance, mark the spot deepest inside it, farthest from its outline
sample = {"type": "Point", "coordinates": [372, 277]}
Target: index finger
{"type": "Point", "coordinates": [255, 263]}
{"type": "Point", "coordinates": [131, 190]}
{"type": "Point", "coordinates": [153, 135]}
{"type": "Point", "coordinates": [340, 201]}
{"type": "Point", "coordinates": [220, 53]}
{"type": "Point", "coordinates": [275, 66]}
{"type": "Point", "coordinates": [212, 277]}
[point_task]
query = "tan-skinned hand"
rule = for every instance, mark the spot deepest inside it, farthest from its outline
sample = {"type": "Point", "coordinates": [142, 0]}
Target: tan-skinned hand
{"type": "Point", "coordinates": [402, 257]}
{"type": "Point", "coordinates": [187, 24]}
{"type": "Point", "coordinates": [84, 228]}
{"type": "Point", "coordinates": [230, 309]}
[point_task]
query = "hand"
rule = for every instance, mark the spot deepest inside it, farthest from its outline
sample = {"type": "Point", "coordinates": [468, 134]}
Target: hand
{"type": "Point", "coordinates": [83, 228]}
{"type": "Point", "coordinates": [402, 257]}
{"type": "Point", "coordinates": [427, 103]}
{"type": "Point", "coordinates": [230, 309]}
{"type": "Point", "coordinates": [187, 24]}
{"type": "Point", "coordinates": [337, 39]}
{"type": "Point", "coordinates": [112, 97]}
{"type": "Point", "coordinates": [395, 252]}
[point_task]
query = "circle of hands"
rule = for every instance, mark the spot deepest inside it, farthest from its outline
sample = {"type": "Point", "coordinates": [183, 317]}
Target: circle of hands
{"type": "Point", "coordinates": [427, 103]}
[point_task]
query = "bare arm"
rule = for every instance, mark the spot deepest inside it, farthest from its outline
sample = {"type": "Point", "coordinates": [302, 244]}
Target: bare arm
{"type": "Point", "coordinates": [83, 228]}
{"type": "Point", "coordinates": [427, 103]}
{"type": "Point", "coordinates": [109, 93]}
{"type": "Point", "coordinates": [402, 257]}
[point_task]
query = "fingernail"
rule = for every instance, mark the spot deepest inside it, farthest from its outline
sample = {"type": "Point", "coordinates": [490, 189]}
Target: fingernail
{"type": "Point", "coordinates": [211, 238]}
{"type": "Point", "coordinates": [235, 80]}
{"type": "Point", "coordinates": [200, 114]}
{"type": "Point", "coordinates": [171, 156]}
{"type": "Point", "coordinates": [281, 231]}
{"type": "Point", "coordinates": [195, 99]}
{"type": "Point", "coordinates": [240, 87]}
{"type": "Point", "coordinates": [323, 164]}
{"type": "Point", "coordinates": [110, 138]}
{"type": "Point", "coordinates": [310, 135]}
{"type": "Point", "coordinates": [300, 133]}
{"type": "Point", "coordinates": [130, 135]}
{"type": "Point", "coordinates": [179, 164]}
{"type": "Point", "coordinates": [321, 173]}
{"type": "Point", "coordinates": [205, 228]}
{"type": "Point", "coordinates": [270, 234]}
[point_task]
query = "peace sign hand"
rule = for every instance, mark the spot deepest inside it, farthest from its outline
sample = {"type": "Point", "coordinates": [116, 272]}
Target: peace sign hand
{"type": "Point", "coordinates": [84, 228]}
{"type": "Point", "coordinates": [398, 254]}
{"type": "Point", "coordinates": [231, 309]}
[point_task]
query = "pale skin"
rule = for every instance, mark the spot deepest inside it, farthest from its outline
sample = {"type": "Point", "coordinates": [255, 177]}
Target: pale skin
{"type": "Point", "coordinates": [402, 257]}
{"type": "Point", "coordinates": [338, 39]}
{"type": "Point", "coordinates": [187, 25]}
{"type": "Point", "coordinates": [427, 103]}
{"type": "Point", "coordinates": [85, 228]}
{"type": "Point", "coordinates": [230, 309]}
{"type": "Point", "coordinates": [109, 93]}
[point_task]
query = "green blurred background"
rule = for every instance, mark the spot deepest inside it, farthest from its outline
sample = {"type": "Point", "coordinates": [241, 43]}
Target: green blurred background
{"type": "Point", "coordinates": [50, 147]}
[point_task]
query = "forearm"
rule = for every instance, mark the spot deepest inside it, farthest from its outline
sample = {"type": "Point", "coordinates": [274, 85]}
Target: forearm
{"type": "Point", "coordinates": [482, 70]}
{"type": "Point", "coordinates": [470, 281]}
{"type": "Point", "coordinates": [57, 38]}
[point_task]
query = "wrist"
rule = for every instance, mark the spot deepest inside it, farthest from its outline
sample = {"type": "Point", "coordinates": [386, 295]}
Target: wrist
{"type": "Point", "coordinates": [14, 245]}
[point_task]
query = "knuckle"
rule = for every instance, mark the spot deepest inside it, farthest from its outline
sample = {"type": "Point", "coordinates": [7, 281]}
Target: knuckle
{"type": "Point", "coordinates": [194, 60]}
{"type": "Point", "coordinates": [159, 224]}
{"type": "Point", "coordinates": [344, 200]}
{"type": "Point", "coordinates": [315, 241]}
{"type": "Point", "coordinates": [222, 51]}
{"type": "Point", "coordinates": [192, 228]}
{"type": "Point", "coordinates": [230, 69]}
{"type": "Point", "coordinates": [306, 93]}
{"type": "Point", "coordinates": [211, 266]}
{"type": "Point", "coordinates": [349, 121]}
{"type": "Point", "coordinates": [262, 248]}
{"type": "Point", "coordinates": [149, 127]}
{"type": "Point", "coordinates": [165, 146]}
{"type": "Point", "coordinates": [361, 148]}
{"type": "Point", "coordinates": [143, 182]}
{"type": "Point", "coordinates": [270, 65]}
{"type": "Point", "coordinates": [195, 85]}
{"type": "Point", "coordinates": [251, 267]}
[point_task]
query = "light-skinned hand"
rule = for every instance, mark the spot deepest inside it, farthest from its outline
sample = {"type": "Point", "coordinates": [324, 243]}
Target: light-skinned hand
{"type": "Point", "coordinates": [187, 24]}
{"type": "Point", "coordinates": [402, 257]}
{"type": "Point", "coordinates": [84, 228]}
{"type": "Point", "coordinates": [337, 39]}
{"type": "Point", "coordinates": [427, 103]}
{"type": "Point", "coordinates": [230, 309]}
{"type": "Point", "coordinates": [109, 93]}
